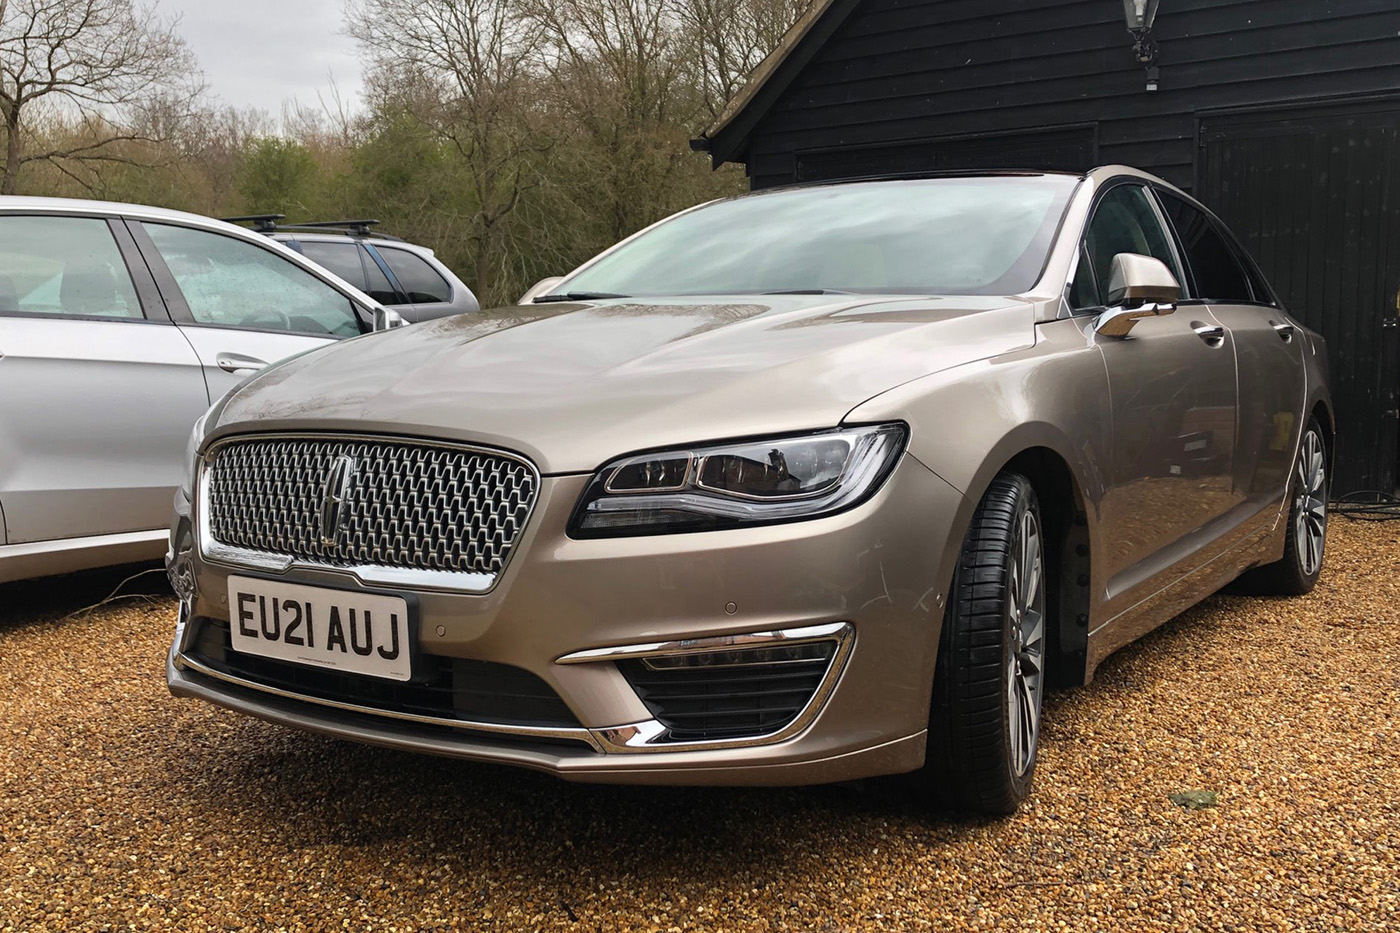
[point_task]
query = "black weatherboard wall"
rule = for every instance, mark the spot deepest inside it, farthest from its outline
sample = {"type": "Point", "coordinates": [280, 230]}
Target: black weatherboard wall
{"type": "Point", "coordinates": [1282, 115]}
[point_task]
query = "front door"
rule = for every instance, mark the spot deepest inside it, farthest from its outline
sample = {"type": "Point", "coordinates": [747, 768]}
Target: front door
{"type": "Point", "coordinates": [97, 392]}
{"type": "Point", "coordinates": [241, 306]}
{"type": "Point", "coordinates": [1314, 194]}
{"type": "Point", "coordinates": [1173, 397]}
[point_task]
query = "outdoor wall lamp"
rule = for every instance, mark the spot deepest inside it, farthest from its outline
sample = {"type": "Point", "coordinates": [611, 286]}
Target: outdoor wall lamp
{"type": "Point", "coordinates": [1140, 14]}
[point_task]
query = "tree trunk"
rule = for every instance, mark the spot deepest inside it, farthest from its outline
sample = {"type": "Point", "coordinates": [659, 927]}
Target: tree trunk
{"type": "Point", "coordinates": [13, 158]}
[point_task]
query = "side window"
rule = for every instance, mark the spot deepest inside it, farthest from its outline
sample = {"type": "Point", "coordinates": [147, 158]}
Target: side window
{"type": "Point", "coordinates": [68, 266]}
{"type": "Point", "coordinates": [1123, 222]}
{"type": "Point", "coordinates": [342, 259]}
{"type": "Point", "coordinates": [230, 283]}
{"type": "Point", "coordinates": [420, 280]}
{"type": "Point", "coordinates": [1217, 273]}
{"type": "Point", "coordinates": [1083, 292]}
{"type": "Point", "coordinates": [380, 289]}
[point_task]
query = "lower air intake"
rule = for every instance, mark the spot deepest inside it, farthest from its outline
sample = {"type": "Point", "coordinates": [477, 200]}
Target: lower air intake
{"type": "Point", "coordinates": [733, 694]}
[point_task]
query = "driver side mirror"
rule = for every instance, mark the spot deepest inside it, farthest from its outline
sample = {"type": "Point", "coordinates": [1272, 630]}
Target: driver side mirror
{"type": "Point", "coordinates": [387, 319]}
{"type": "Point", "coordinates": [1138, 287]}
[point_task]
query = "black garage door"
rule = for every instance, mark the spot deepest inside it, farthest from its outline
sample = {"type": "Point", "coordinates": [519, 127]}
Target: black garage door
{"type": "Point", "coordinates": [1314, 193]}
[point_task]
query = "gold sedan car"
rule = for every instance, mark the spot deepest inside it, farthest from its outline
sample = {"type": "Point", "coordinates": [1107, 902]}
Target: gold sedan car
{"type": "Point", "coordinates": [801, 486]}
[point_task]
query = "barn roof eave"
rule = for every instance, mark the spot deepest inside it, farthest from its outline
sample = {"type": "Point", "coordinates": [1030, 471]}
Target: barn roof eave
{"type": "Point", "coordinates": [727, 138]}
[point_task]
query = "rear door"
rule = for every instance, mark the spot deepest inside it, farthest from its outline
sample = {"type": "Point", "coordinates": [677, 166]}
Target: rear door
{"type": "Point", "coordinates": [1268, 353]}
{"type": "Point", "coordinates": [240, 304]}
{"type": "Point", "coordinates": [98, 390]}
{"type": "Point", "coordinates": [1172, 394]}
{"type": "Point", "coordinates": [428, 292]}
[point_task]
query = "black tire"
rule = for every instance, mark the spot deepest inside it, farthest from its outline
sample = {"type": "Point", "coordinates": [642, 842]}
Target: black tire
{"type": "Point", "coordinates": [974, 762]}
{"type": "Point", "coordinates": [1305, 538]}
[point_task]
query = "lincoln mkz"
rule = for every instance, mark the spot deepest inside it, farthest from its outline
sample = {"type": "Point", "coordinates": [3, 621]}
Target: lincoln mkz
{"type": "Point", "coordinates": [801, 486]}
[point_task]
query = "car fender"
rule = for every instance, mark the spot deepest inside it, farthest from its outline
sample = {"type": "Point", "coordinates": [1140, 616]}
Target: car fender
{"type": "Point", "coordinates": [967, 423]}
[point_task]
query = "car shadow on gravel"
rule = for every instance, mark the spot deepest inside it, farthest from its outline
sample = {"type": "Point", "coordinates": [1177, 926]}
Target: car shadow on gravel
{"type": "Point", "coordinates": [306, 793]}
{"type": "Point", "coordinates": [52, 599]}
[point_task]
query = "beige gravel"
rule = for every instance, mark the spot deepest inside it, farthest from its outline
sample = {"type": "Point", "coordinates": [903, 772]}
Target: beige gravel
{"type": "Point", "coordinates": [123, 808]}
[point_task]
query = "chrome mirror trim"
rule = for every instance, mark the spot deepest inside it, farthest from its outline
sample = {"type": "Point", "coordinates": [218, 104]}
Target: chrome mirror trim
{"type": "Point", "coordinates": [1119, 322]}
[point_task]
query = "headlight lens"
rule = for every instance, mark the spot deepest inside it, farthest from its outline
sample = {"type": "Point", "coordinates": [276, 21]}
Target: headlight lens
{"type": "Point", "coordinates": [744, 483]}
{"type": "Point", "coordinates": [192, 454]}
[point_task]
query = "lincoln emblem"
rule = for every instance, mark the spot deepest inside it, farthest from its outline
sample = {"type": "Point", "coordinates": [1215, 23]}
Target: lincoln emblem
{"type": "Point", "coordinates": [339, 480]}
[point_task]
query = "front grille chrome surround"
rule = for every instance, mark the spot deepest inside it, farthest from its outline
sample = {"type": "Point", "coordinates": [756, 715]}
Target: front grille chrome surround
{"type": "Point", "coordinates": [412, 514]}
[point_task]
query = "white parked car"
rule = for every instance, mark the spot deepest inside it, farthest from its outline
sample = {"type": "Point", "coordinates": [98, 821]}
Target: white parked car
{"type": "Point", "coordinates": [119, 326]}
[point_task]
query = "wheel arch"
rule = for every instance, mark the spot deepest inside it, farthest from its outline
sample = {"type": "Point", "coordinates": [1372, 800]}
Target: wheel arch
{"type": "Point", "coordinates": [1064, 517]}
{"type": "Point", "coordinates": [1067, 504]}
{"type": "Point", "coordinates": [1322, 411]}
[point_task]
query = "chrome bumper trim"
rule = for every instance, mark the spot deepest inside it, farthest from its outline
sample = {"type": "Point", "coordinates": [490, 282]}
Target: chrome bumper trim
{"type": "Point", "coordinates": [648, 736]}
{"type": "Point", "coordinates": [584, 736]}
{"type": "Point", "coordinates": [832, 631]}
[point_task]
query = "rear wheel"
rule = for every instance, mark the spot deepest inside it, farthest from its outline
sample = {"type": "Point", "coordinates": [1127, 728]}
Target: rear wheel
{"type": "Point", "coordinates": [1306, 536]}
{"type": "Point", "coordinates": [984, 728]}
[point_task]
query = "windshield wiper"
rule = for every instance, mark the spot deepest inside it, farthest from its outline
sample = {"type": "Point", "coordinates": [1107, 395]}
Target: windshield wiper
{"type": "Point", "coordinates": [576, 296]}
{"type": "Point", "coordinates": [810, 291]}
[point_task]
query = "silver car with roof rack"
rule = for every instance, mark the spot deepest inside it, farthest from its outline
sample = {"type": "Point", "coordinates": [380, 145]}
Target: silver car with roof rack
{"type": "Point", "coordinates": [398, 274]}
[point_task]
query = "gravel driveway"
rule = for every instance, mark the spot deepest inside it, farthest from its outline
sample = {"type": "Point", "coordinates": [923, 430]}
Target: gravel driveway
{"type": "Point", "coordinates": [123, 808]}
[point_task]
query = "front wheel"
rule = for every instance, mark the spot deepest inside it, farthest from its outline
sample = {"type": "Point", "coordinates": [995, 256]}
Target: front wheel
{"type": "Point", "coordinates": [984, 727]}
{"type": "Point", "coordinates": [1305, 539]}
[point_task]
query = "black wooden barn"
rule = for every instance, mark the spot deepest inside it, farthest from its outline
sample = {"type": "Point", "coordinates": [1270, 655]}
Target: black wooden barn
{"type": "Point", "coordinates": [1282, 115]}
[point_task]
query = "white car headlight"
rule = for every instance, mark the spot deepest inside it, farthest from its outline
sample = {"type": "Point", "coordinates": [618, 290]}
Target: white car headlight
{"type": "Point", "coordinates": [742, 483]}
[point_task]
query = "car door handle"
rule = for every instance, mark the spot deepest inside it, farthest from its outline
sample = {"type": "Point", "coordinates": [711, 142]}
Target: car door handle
{"type": "Point", "coordinates": [1212, 334]}
{"type": "Point", "coordinates": [1284, 329]}
{"type": "Point", "coordinates": [238, 363]}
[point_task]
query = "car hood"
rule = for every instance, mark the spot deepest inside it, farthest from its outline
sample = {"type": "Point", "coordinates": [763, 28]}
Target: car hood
{"type": "Point", "coordinates": [574, 385]}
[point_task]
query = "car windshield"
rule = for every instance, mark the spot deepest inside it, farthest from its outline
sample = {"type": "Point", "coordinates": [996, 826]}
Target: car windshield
{"type": "Point", "coordinates": [939, 236]}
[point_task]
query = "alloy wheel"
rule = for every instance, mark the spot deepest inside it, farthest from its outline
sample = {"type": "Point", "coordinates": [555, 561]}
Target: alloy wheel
{"type": "Point", "coordinates": [1025, 680]}
{"type": "Point", "coordinates": [1310, 504]}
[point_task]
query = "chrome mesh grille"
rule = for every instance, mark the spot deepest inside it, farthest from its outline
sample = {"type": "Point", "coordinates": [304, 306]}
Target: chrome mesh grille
{"type": "Point", "coordinates": [406, 505]}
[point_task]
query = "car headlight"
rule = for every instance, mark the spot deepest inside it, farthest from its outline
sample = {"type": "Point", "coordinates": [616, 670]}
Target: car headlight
{"type": "Point", "coordinates": [742, 483]}
{"type": "Point", "coordinates": [192, 454]}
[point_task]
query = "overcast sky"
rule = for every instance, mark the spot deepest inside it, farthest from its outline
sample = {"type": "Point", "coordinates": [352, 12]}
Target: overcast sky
{"type": "Point", "coordinates": [261, 53]}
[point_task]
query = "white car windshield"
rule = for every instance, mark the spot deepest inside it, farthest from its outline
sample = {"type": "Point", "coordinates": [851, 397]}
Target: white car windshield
{"type": "Point", "coordinates": [985, 235]}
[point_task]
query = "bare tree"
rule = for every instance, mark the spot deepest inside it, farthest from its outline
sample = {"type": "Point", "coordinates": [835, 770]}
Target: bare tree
{"type": "Point", "coordinates": [86, 63]}
{"type": "Point", "coordinates": [731, 38]}
{"type": "Point", "coordinates": [465, 69]}
{"type": "Point", "coordinates": [619, 73]}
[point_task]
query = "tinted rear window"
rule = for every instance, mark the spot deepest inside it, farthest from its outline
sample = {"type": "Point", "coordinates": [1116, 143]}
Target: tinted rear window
{"type": "Point", "coordinates": [342, 259]}
{"type": "Point", "coordinates": [1217, 273]}
{"type": "Point", "coordinates": [419, 280]}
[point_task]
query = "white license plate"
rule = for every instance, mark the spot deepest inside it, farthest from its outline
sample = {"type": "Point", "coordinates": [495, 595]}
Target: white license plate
{"type": "Point", "coordinates": [358, 633]}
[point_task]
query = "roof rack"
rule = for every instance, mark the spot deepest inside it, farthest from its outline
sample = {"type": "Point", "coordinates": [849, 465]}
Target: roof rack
{"type": "Point", "coordinates": [354, 227]}
{"type": "Point", "coordinates": [262, 223]}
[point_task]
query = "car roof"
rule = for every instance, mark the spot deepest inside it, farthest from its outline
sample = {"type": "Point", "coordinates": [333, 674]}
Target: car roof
{"type": "Point", "coordinates": [1101, 173]}
{"type": "Point", "coordinates": [287, 234]}
{"type": "Point", "coordinates": [12, 202]}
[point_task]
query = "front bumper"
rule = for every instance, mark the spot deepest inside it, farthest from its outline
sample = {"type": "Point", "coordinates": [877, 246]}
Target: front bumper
{"type": "Point", "coordinates": [872, 578]}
